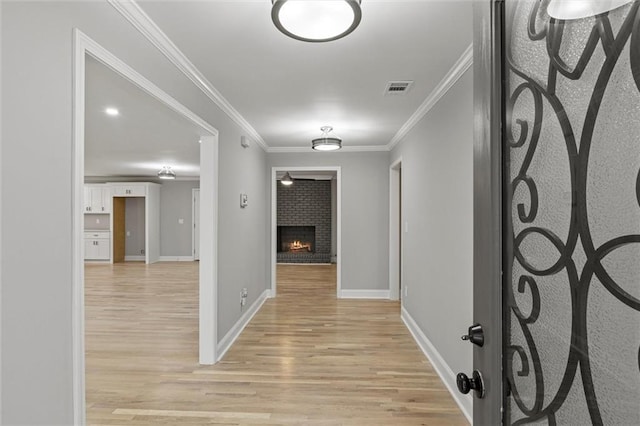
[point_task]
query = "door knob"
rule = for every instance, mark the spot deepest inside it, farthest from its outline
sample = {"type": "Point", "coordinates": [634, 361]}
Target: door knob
{"type": "Point", "coordinates": [475, 335]}
{"type": "Point", "coordinates": [465, 384]}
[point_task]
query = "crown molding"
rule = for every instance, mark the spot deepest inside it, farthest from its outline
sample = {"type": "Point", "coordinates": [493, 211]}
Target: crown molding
{"type": "Point", "coordinates": [298, 149]}
{"type": "Point", "coordinates": [459, 68]}
{"type": "Point", "coordinates": [143, 23]}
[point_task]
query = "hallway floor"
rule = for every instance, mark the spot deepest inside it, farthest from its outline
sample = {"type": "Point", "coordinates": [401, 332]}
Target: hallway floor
{"type": "Point", "coordinates": [305, 359]}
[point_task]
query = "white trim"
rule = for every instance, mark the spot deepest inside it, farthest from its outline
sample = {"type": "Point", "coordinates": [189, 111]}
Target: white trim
{"type": "Point", "coordinates": [135, 258]}
{"type": "Point", "coordinates": [231, 336]}
{"type": "Point", "coordinates": [274, 219]}
{"type": "Point", "coordinates": [460, 67]}
{"type": "Point", "coordinates": [208, 266]}
{"type": "Point", "coordinates": [80, 47]}
{"type": "Point", "coordinates": [143, 23]}
{"type": "Point", "coordinates": [448, 377]}
{"type": "Point", "coordinates": [395, 236]}
{"type": "Point", "coordinates": [364, 294]}
{"type": "Point", "coordinates": [83, 45]}
{"type": "Point", "coordinates": [194, 191]}
{"type": "Point", "coordinates": [176, 259]}
{"type": "Point", "coordinates": [298, 149]}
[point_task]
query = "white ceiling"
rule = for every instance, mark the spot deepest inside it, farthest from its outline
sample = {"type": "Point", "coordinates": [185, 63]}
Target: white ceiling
{"type": "Point", "coordinates": [145, 136]}
{"type": "Point", "coordinates": [285, 89]}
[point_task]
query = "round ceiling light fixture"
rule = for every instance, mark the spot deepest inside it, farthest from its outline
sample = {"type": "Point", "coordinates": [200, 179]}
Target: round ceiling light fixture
{"type": "Point", "coordinates": [578, 9]}
{"type": "Point", "coordinates": [326, 142]}
{"type": "Point", "coordinates": [166, 173]}
{"type": "Point", "coordinates": [316, 20]}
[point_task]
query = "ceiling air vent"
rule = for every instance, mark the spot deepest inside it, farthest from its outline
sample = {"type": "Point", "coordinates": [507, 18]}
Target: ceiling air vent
{"type": "Point", "coordinates": [397, 87]}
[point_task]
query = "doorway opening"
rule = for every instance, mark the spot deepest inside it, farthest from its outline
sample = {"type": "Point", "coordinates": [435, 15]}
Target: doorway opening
{"type": "Point", "coordinates": [87, 50]}
{"type": "Point", "coordinates": [306, 226]}
{"type": "Point", "coordinates": [395, 230]}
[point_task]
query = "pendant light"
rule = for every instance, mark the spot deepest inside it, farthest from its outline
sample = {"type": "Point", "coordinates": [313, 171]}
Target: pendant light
{"type": "Point", "coordinates": [316, 20]}
{"type": "Point", "coordinates": [326, 142]}
{"type": "Point", "coordinates": [286, 179]}
{"type": "Point", "coordinates": [166, 173]}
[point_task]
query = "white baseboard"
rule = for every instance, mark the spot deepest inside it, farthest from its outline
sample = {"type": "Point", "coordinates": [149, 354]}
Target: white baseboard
{"type": "Point", "coordinates": [134, 258]}
{"type": "Point", "coordinates": [364, 294]}
{"type": "Point", "coordinates": [232, 335]}
{"type": "Point", "coordinates": [176, 259]}
{"type": "Point", "coordinates": [448, 377]}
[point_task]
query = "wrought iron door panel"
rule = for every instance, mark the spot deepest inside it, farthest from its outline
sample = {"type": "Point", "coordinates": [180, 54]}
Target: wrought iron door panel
{"type": "Point", "coordinates": [572, 191]}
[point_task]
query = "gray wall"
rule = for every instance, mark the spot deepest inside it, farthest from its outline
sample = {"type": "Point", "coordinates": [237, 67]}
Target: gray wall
{"type": "Point", "coordinates": [365, 212]}
{"type": "Point", "coordinates": [437, 178]}
{"type": "Point", "coordinates": [175, 204]}
{"type": "Point", "coordinates": [37, 61]}
{"type": "Point", "coordinates": [134, 213]}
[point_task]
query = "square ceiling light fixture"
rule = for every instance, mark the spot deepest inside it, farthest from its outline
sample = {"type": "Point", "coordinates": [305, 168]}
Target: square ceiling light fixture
{"type": "Point", "coordinates": [316, 21]}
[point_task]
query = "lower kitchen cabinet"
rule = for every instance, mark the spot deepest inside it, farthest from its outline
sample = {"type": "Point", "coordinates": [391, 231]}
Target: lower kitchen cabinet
{"type": "Point", "coordinates": [97, 246]}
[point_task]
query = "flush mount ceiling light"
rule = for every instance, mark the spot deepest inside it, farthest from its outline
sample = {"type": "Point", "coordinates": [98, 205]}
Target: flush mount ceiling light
{"type": "Point", "coordinates": [578, 9]}
{"type": "Point", "coordinates": [326, 142]}
{"type": "Point", "coordinates": [286, 179]}
{"type": "Point", "coordinates": [111, 111]}
{"type": "Point", "coordinates": [316, 20]}
{"type": "Point", "coordinates": [166, 173]}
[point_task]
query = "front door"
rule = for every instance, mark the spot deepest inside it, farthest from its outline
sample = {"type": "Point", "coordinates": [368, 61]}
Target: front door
{"type": "Point", "coordinates": [560, 134]}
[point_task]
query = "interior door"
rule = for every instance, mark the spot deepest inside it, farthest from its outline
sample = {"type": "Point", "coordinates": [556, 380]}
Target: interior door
{"type": "Point", "coordinates": [569, 108]}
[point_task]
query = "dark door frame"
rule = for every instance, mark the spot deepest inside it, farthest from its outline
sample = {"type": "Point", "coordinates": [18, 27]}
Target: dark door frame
{"type": "Point", "coordinates": [487, 206]}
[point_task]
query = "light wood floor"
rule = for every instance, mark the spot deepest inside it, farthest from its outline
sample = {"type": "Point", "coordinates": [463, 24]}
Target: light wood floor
{"type": "Point", "coordinates": [305, 359]}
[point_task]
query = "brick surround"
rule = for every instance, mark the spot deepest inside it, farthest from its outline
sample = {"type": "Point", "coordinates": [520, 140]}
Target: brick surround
{"type": "Point", "coordinates": [307, 203]}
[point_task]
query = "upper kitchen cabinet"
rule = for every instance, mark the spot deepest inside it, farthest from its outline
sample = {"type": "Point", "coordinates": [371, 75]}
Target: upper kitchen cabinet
{"type": "Point", "coordinates": [129, 189]}
{"type": "Point", "coordinates": [97, 199]}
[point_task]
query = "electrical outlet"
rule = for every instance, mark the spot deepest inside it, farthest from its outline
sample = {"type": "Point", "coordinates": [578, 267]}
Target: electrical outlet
{"type": "Point", "coordinates": [244, 293]}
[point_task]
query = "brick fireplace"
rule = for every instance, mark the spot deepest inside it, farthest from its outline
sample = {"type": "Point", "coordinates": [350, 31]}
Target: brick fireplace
{"type": "Point", "coordinates": [304, 222]}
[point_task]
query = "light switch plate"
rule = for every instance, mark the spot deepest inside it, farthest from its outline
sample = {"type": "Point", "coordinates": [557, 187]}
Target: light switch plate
{"type": "Point", "coordinates": [244, 200]}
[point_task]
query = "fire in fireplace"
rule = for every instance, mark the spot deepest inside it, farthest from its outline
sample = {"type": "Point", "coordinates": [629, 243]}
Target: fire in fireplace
{"type": "Point", "coordinates": [296, 239]}
{"type": "Point", "coordinates": [297, 246]}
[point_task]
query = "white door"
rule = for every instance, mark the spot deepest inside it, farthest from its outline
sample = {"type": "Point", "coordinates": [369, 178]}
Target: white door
{"type": "Point", "coordinates": [196, 224]}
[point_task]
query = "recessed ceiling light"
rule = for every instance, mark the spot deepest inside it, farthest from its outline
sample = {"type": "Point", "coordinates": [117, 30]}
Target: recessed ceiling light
{"type": "Point", "coordinates": [112, 111]}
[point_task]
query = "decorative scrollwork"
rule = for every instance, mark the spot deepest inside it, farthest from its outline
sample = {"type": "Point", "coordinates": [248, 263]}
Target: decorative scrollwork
{"type": "Point", "coordinates": [540, 28]}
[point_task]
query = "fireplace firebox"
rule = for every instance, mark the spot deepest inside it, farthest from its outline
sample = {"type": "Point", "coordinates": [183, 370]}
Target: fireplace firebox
{"type": "Point", "coordinates": [297, 239]}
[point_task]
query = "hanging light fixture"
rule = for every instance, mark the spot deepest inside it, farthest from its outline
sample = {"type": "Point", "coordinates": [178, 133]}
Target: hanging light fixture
{"type": "Point", "coordinates": [316, 20]}
{"type": "Point", "coordinates": [326, 142]}
{"type": "Point", "coordinates": [286, 179]}
{"type": "Point", "coordinates": [166, 173]}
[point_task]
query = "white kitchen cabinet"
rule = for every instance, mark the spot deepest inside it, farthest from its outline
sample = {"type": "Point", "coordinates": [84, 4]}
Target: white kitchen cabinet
{"type": "Point", "coordinates": [129, 189]}
{"type": "Point", "coordinates": [97, 245]}
{"type": "Point", "coordinates": [97, 199]}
